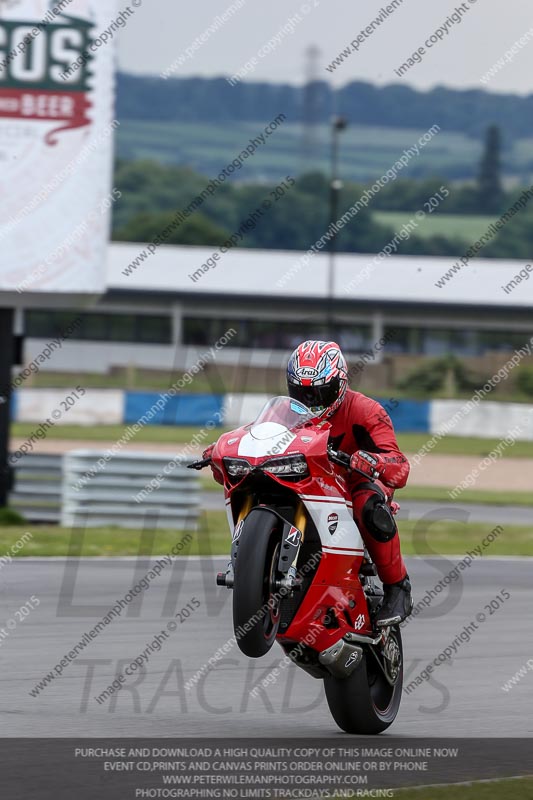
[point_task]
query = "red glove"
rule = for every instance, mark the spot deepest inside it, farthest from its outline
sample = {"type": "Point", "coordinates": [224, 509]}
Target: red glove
{"type": "Point", "coordinates": [371, 464]}
{"type": "Point", "coordinates": [208, 452]}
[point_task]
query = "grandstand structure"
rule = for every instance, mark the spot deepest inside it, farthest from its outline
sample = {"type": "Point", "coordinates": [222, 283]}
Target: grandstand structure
{"type": "Point", "coordinates": [150, 316]}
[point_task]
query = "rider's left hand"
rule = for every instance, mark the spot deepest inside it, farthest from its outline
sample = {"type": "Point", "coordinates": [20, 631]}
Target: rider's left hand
{"type": "Point", "coordinates": [370, 464]}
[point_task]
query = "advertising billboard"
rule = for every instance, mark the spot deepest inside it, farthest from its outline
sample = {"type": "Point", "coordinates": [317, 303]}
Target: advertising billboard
{"type": "Point", "coordinates": [56, 146]}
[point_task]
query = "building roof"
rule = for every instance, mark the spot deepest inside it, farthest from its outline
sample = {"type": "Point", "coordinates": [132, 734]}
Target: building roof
{"type": "Point", "coordinates": [281, 274]}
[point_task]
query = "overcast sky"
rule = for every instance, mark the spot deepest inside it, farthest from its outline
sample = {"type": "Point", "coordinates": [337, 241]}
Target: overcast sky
{"type": "Point", "coordinates": [161, 30]}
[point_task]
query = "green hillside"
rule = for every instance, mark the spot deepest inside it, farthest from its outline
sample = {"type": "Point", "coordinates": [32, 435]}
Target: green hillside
{"type": "Point", "coordinates": [366, 152]}
{"type": "Point", "coordinates": [462, 226]}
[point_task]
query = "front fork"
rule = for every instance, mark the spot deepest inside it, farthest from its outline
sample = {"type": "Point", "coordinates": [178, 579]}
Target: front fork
{"type": "Point", "coordinates": [291, 543]}
{"type": "Point", "coordinates": [227, 578]}
{"type": "Point", "coordinates": [293, 536]}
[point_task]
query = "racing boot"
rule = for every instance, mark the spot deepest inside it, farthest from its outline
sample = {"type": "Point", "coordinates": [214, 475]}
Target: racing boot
{"type": "Point", "coordinates": [397, 603]}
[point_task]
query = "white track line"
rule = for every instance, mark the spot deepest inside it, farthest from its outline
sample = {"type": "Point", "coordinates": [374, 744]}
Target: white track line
{"type": "Point", "coordinates": [223, 557]}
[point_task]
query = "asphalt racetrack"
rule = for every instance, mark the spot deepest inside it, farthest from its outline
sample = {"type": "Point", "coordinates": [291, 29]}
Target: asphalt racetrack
{"type": "Point", "coordinates": [464, 697]}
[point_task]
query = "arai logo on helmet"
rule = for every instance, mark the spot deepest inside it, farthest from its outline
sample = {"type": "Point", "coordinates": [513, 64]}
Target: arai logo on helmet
{"type": "Point", "coordinates": [307, 372]}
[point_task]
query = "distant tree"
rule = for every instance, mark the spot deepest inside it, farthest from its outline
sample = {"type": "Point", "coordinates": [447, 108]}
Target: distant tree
{"type": "Point", "coordinates": [315, 183]}
{"type": "Point", "coordinates": [515, 240]}
{"type": "Point", "coordinates": [490, 187]}
{"type": "Point", "coordinates": [447, 374]}
{"type": "Point", "coordinates": [195, 230]}
{"type": "Point", "coordinates": [213, 100]}
{"type": "Point", "coordinates": [436, 245]}
{"type": "Point", "coordinates": [152, 193]}
{"type": "Point", "coordinates": [524, 381]}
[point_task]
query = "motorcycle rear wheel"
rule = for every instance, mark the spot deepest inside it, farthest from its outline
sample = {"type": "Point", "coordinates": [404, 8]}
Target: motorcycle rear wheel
{"type": "Point", "coordinates": [256, 611]}
{"type": "Point", "coordinates": [365, 703]}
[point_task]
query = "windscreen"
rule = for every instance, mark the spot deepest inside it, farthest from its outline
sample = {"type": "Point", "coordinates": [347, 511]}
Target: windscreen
{"type": "Point", "coordinates": [284, 411]}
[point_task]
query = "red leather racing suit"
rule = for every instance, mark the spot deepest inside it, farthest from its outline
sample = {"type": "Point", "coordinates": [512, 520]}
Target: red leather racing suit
{"type": "Point", "coordinates": [363, 424]}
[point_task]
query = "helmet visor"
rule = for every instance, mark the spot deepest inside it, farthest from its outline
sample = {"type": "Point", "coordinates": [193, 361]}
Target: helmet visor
{"type": "Point", "coordinates": [316, 397]}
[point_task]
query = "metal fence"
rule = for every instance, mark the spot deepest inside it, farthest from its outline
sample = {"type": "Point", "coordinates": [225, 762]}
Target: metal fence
{"type": "Point", "coordinates": [73, 491]}
{"type": "Point", "coordinates": [37, 488]}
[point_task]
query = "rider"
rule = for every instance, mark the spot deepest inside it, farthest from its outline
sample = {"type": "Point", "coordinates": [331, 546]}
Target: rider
{"type": "Point", "coordinates": [317, 376]}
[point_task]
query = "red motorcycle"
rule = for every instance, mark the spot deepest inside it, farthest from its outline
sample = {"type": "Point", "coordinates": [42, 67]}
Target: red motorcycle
{"type": "Point", "coordinates": [299, 570]}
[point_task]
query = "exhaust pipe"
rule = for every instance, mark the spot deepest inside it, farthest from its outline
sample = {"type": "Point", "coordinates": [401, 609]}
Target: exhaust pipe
{"type": "Point", "coordinates": [341, 658]}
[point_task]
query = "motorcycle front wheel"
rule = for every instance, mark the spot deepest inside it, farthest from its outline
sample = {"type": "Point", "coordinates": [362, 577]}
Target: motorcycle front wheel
{"type": "Point", "coordinates": [256, 603]}
{"type": "Point", "coordinates": [367, 702]}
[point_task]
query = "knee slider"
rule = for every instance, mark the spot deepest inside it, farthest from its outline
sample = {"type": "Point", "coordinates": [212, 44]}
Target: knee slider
{"type": "Point", "coordinates": [379, 520]}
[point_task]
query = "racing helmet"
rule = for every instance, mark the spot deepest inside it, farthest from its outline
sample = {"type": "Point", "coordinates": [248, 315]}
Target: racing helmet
{"type": "Point", "coordinates": [317, 376]}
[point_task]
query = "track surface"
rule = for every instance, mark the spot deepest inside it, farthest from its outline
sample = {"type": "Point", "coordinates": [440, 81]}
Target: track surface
{"type": "Point", "coordinates": [465, 698]}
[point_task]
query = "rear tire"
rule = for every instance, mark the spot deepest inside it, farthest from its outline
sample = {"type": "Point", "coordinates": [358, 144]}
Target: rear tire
{"type": "Point", "coordinates": [365, 703]}
{"type": "Point", "coordinates": [254, 584]}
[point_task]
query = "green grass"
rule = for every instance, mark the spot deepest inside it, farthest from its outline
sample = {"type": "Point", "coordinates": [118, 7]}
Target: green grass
{"type": "Point", "coordinates": [116, 379]}
{"type": "Point", "coordinates": [451, 538]}
{"type": "Point", "coordinates": [444, 538]}
{"type": "Point", "coordinates": [51, 540]}
{"type": "Point", "coordinates": [427, 493]}
{"type": "Point", "coordinates": [487, 498]}
{"type": "Point", "coordinates": [366, 152]}
{"type": "Point", "coordinates": [167, 434]}
{"type": "Point", "coordinates": [462, 445]}
{"type": "Point", "coordinates": [141, 380]}
{"type": "Point", "coordinates": [457, 226]}
{"type": "Point", "coordinates": [515, 789]}
{"type": "Point", "coordinates": [164, 434]}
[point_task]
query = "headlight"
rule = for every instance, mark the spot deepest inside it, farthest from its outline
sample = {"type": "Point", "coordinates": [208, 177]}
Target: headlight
{"type": "Point", "coordinates": [294, 466]}
{"type": "Point", "coordinates": [237, 467]}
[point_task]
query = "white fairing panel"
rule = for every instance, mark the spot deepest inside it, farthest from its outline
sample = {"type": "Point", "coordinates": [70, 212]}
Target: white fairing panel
{"type": "Point", "coordinates": [266, 439]}
{"type": "Point", "coordinates": [346, 538]}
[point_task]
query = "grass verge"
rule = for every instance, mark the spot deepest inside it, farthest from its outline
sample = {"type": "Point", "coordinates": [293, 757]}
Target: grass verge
{"type": "Point", "coordinates": [460, 226]}
{"type": "Point", "coordinates": [409, 442]}
{"type": "Point", "coordinates": [450, 538]}
{"type": "Point", "coordinates": [463, 446]}
{"type": "Point", "coordinates": [428, 494]}
{"type": "Point", "coordinates": [441, 538]}
{"type": "Point", "coordinates": [164, 434]}
{"type": "Point", "coordinates": [52, 540]}
{"type": "Point", "coordinates": [486, 498]}
{"type": "Point", "coordinates": [513, 789]}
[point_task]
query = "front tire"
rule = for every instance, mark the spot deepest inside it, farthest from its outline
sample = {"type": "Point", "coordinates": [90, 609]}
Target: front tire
{"type": "Point", "coordinates": [256, 612]}
{"type": "Point", "coordinates": [365, 703]}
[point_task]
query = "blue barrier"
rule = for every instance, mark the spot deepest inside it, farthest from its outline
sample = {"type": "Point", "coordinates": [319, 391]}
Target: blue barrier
{"type": "Point", "coordinates": [408, 415]}
{"type": "Point", "coordinates": [184, 409]}
{"type": "Point", "coordinates": [13, 406]}
{"type": "Point", "coordinates": [199, 409]}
